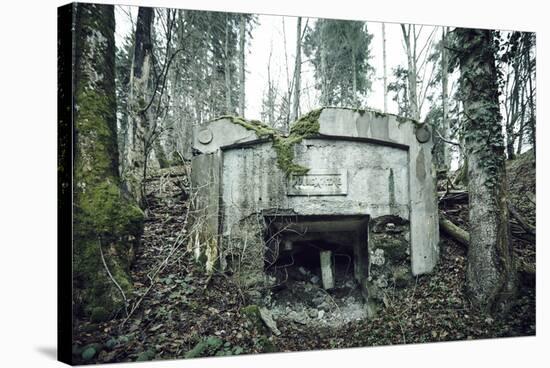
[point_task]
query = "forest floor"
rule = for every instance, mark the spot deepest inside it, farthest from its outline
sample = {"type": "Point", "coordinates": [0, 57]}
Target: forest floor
{"type": "Point", "coordinates": [184, 314]}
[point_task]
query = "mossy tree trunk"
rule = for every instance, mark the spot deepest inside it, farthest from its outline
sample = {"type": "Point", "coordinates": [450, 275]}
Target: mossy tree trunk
{"type": "Point", "coordinates": [103, 215]}
{"type": "Point", "coordinates": [490, 277]}
{"type": "Point", "coordinates": [139, 103]}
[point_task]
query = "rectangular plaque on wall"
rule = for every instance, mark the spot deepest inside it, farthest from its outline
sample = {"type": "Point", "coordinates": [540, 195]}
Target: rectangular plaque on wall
{"type": "Point", "coordinates": [320, 182]}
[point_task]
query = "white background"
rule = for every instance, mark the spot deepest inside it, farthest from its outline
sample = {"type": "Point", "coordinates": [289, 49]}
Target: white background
{"type": "Point", "coordinates": [28, 181]}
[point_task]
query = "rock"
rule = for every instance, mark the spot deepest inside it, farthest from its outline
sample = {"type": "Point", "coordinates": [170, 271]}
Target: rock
{"type": "Point", "coordinates": [111, 343]}
{"type": "Point", "coordinates": [312, 313]}
{"type": "Point", "coordinates": [324, 306]}
{"type": "Point", "coordinates": [252, 312]}
{"type": "Point", "coordinates": [349, 284]}
{"type": "Point", "coordinates": [303, 271]}
{"type": "Point", "coordinates": [90, 351]}
{"type": "Point", "coordinates": [267, 318]}
{"type": "Point", "coordinates": [320, 314]}
{"type": "Point", "coordinates": [377, 258]}
{"type": "Point", "coordinates": [298, 317]}
{"type": "Point", "coordinates": [319, 299]}
{"type": "Point", "coordinates": [381, 282]}
{"type": "Point", "coordinates": [315, 279]}
{"type": "Point", "coordinates": [402, 277]}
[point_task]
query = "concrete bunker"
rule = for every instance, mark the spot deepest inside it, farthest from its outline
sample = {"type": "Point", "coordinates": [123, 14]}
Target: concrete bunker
{"type": "Point", "coordinates": [348, 196]}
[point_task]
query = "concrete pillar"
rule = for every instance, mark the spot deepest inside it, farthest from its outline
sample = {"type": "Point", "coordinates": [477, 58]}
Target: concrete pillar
{"type": "Point", "coordinates": [327, 269]}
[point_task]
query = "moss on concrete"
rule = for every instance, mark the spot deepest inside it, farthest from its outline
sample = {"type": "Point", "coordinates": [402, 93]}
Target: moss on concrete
{"type": "Point", "coordinates": [208, 257]}
{"type": "Point", "coordinates": [262, 130]}
{"type": "Point", "coordinates": [306, 126]}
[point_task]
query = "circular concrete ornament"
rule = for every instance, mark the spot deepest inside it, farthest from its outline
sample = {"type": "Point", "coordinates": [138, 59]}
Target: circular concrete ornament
{"type": "Point", "coordinates": [423, 134]}
{"type": "Point", "coordinates": [205, 136]}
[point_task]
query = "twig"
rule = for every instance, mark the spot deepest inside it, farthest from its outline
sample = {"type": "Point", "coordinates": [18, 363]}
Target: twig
{"type": "Point", "coordinates": [331, 298]}
{"type": "Point", "coordinates": [446, 140]}
{"type": "Point", "coordinates": [181, 237]}
{"type": "Point", "coordinates": [112, 278]}
{"type": "Point", "coordinates": [155, 274]}
{"type": "Point", "coordinates": [207, 281]}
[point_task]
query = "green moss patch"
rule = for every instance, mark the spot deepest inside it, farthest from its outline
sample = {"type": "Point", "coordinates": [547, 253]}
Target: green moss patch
{"type": "Point", "coordinates": [306, 126]}
{"type": "Point", "coordinates": [252, 312]}
{"type": "Point", "coordinates": [206, 347]}
{"type": "Point", "coordinates": [103, 215]}
{"type": "Point", "coordinates": [262, 130]}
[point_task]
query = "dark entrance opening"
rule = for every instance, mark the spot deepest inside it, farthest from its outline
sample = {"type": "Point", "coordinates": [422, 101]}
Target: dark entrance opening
{"type": "Point", "coordinates": [327, 250]}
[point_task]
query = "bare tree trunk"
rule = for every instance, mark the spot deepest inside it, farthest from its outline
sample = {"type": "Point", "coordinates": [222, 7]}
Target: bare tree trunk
{"type": "Point", "coordinates": [324, 69]}
{"type": "Point", "coordinates": [410, 46]}
{"type": "Point", "coordinates": [533, 119]}
{"type": "Point", "coordinates": [530, 71]}
{"type": "Point", "coordinates": [490, 277]}
{"type": "Point", "coordinates": [287, 99]}
{"type": "Point", "coordinates": [138, 102]}
{"type": "Point", "coordinates": [297, 70]}
{"type": "Point", "coordinates": [385, 67]}
{"type": "Point", "coordinates": [354, 75]}
{"type": "Point", "coordinates": [445, 130]}
{"type": "Point", "coordinates": [513, 106]}
{"type": "Point", "coordinates": [227, 71]}
{"type": "Point", "coordinates": [270, 94]}
{"type": "Point", "coordinates": [522, 122]}
{"type": "Point", "coordinates": [242, 44]}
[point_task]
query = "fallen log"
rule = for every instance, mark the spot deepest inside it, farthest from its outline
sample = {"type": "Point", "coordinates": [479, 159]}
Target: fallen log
{"type": "Point", "coordinates": [463, 237]}
{"type": "Point", "coordinates": [454, 231]}
{"type": "Point", "coordinates": [453, 196]}
{"type": "Point", "coordinates": [521, 221]}
{"type": "Point", "coordinates": [461, 196]}
{"type": "Point", "coordinates": [526, 272]}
